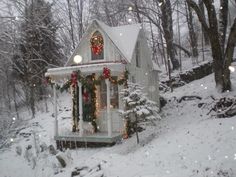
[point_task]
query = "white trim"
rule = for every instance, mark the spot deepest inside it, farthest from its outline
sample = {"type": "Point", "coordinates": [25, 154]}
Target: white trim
{"type": "Point", "coordinates": [81, 130]}
{"type": "Point", "coordinates": [109, 123]}
{"type": "Point", "coordinates": [55, 110]}
{"type": "Point", "coordinates": [104, 45]}
{"type": "Point", "coordinates": [86, 69]}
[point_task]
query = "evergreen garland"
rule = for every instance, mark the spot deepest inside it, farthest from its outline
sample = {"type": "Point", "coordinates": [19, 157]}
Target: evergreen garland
{"type": "Point", "coordinates": [89, 83]}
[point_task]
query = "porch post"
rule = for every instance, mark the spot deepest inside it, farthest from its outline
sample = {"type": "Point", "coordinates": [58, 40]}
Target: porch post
{"type": "Point", "coordinates": [81, 131]}
{"type": "Point", "coordinates": [55, 110]}
{"type": "Point", "coordinates": [109, 127]}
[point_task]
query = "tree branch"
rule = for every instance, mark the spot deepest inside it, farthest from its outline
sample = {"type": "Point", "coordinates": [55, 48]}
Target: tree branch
{"type": "Point", "coordinates": [199, 13]}
{"type": "Point", "coordinates": [230, 45]}
{"type": "Point", "coordinates": [183, 49]}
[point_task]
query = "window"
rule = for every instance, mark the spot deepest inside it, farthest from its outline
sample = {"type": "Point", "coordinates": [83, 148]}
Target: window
{"type": "Point", "coordinates": [97, 46]}
{"type": "Point", "coordinates": [138, 55]}
{"type": "Point", "coordinates": [113, 95]}
{"type": "Point", "coordinates": [103, 92]}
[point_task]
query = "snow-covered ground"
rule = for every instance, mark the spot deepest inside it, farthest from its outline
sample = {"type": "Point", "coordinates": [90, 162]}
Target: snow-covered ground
{"type": "Point", "coordinates": [185, 143]}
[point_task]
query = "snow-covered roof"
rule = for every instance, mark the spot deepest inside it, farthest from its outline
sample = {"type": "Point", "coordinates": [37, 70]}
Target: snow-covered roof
{"type": "Point", "coordinates": [124, 37]}
{"type": "Point", "coordinates": [96, 67]}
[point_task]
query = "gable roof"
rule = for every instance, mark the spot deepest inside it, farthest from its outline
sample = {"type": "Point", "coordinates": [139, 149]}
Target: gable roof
{"type": "Point", "coordinates": [124, 38]}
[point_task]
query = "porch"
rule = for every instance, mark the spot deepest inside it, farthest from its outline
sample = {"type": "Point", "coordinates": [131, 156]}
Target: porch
{"type": "Point", "coordinates": [100, 139]}
{"type": "Point", "coordinates": [108, 122]}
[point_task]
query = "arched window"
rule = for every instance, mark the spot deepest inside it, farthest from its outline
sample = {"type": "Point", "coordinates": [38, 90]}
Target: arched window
{"type": "Point", "coordinates": [97, 46]}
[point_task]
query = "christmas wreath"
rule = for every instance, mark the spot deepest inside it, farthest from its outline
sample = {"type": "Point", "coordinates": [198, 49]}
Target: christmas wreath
{"type": "Point", "coordinates": [96, 44]}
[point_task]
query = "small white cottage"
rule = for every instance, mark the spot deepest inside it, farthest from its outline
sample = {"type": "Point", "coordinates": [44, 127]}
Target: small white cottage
{"type": "Point", "coordinates": [105, 59]}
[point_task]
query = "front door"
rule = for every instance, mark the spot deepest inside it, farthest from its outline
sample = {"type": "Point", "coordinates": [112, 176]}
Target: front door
{"type": "Point", "coordinates": [114, 106]}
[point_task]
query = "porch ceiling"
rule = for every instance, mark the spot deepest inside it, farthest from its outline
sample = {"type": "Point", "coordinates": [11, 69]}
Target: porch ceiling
{"type": "Point", "coordinates": [62, 72]}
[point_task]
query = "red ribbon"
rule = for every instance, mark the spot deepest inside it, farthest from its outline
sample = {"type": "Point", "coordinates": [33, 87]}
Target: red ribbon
{"type": "Point", "coordinates": [97, 49]}
{"type": "Point", "coordinates": [74, 79]}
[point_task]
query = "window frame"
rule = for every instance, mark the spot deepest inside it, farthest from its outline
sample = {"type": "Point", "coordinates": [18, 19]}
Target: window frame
{"type": "Point", "coordinates": [103, 52]}
{"type": "Point", "coordinates": [103, 95]}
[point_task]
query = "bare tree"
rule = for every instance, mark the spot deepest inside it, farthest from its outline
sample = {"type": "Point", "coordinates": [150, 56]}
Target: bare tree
{"type": "Point", "coordinates": [221, 58]}
{"type": "Point", "coordinates": [192, 33]}
{"type": "Point", "coordinates": [167, 25]}
{"type": "Point", "coordinates": [205, 35]}
{"type": "Point", "coordinates": [71, 23]}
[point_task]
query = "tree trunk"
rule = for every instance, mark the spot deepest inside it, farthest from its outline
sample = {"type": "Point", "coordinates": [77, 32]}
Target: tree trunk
{"type": "Point", "coordinates": [80, 6]}
{"type": "Point", "coordinates": [205, 35]}
{"type": "Point", "coordinates": [179, 38]}
{"type": "Point", "coordinates": [229, 56]}
{"type": "Point", "coordinates": [166, 18]}
{"type": "Point", "coordinates": [136, 128]}
{"type": "Point", "coordinates": [71, 23]}
{"type": "Point", "coordinates": [107, 13]}
{"type": "Point", "coordinates": [137, 11]}
{"type": "Point", "coordinates": [223, 22]}
{"type": "Point", "coordinates": [15, 101]}
{"type": "Point", "coordinates": [192, 33]}
{"type": "Point", "coordinates": [32, 101]}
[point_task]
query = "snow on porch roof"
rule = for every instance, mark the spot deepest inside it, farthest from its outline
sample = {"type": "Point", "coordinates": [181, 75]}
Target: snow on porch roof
{"type": "Point", "coordinates": [85, 69]}
{"type": "Point", "coordinates": [124, 37]}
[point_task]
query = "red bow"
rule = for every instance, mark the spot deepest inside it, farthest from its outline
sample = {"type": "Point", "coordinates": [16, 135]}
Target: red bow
{"type": "Point", "coordinates": [106, 73]}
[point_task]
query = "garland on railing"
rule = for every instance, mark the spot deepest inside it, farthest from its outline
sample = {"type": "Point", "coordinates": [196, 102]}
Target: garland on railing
{"type": "Point", "coordinates": [88, 82]}
{"type": "Point", "coordinates": [76, 76]}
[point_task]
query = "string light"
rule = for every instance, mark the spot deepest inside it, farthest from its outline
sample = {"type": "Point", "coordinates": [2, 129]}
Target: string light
{"type": "Point", "coordinates": [201, 85]}
{"type": "Point", "coordinates": [129, 20]}
{"type": "Point", "coordinates": [232, 127]}
{"type": "Point", "coordinates": [205, 88]}
{"type": "Point", "coordinates": [11, 140]}
{"type": "Point", "coordinates": [130, 8]}
{"type": "Point", "coordinates": [226, 157]}
{"type": "Point", "coordinates": [159, 4]}
{"type": "Point", "coordinates": [13, 118]}
{"type": "Point", "coordinates": [97, 101]}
